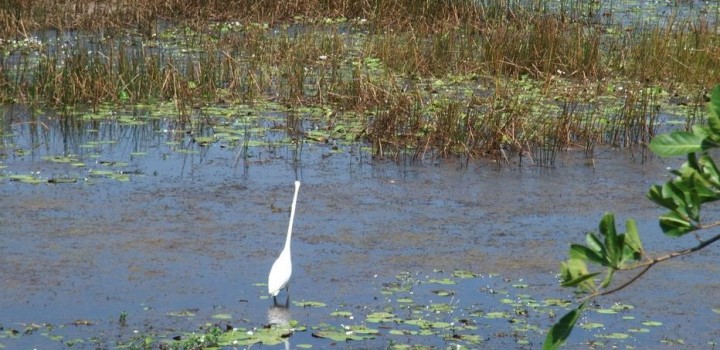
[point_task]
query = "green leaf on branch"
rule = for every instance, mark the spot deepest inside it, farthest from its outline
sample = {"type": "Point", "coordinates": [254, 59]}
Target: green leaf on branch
{"type": "Point", "coordinates": [656, 195]}
{"type": "Point", "coordinates": [675, 225]}
{"type": "Point", "coordinates": [686, 196]}
{"type": "Point", "coordinates": [608, 278]}
{"type": "Point", "coordinates": [710, 173]}
{"type": "Point", "coordinates": [677, 143]}
{"type": "Point", "coordinates": [575, 273]}
{"type": "Point", "coordinates": [703, 178]}
{"type": "Point", "coordinates": [607, 225]}
{"type": "Point", "coordinates": [614, 243]}
{"type": "Point", "coordinates": [579, 251]}
{"type": "Point", "coordinates": [561, 330]}
{"type": "Point", "coordinates": [632, 241]}
{"type": "Point", "coordinates": [578, 281]}
{"type": "Point", "coordinates": [700, 175]}
{"type": "Point", "coordinates": [676, 191]}
{"type": "Point", "coordinates": [596, 245]}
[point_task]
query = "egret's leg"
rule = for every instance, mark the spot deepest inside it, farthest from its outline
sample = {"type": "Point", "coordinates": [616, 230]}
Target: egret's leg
{"type": "Point", "coordinates": [287, 295]}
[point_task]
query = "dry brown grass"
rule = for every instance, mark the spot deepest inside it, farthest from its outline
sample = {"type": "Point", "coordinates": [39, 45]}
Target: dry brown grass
{"type": "Point", "coordinates": [20, 17]}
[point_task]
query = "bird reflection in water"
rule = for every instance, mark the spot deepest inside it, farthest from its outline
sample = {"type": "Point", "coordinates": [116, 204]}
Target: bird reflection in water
{"type": "Point", "coordinates": [279, 316]}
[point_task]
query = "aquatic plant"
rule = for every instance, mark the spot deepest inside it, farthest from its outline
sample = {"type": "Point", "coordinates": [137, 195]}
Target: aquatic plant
{"type": "Point", "coordinates": [437, 78]}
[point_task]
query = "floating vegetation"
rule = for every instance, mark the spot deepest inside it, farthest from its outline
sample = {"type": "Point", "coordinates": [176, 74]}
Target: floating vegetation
{"type": "Point", "coordinates": [381, 317]}
{"type": "Point", "coordinates": [613, 336]}
{"type": "Point", "coordinates": [464, 274]}
{"type": "Point", "coordinates": [222, 317]}
{"type": "Point", "coordinates": [183, 313]}
{"type": "Point", "coordinates": [346, 314]}
{"type": "Point", "coordinates": [28, 179]}
{"type": "Point", "coordinates": [62, 180]}
{"type": "Point", "coordinates": [591, 325]}
{"type": "Point", "coordinates": [442, 281]}
{"type": "Point", "coordinates": [306, 303]}
{"type": "Point", "coordinates": [345, 333]}
{"type": "Point", "coordinates": [109, 175]}
{"type": "Point", "coordinates": [606, 311]}
{"type": "Point", "coordinates": [673, 341]}
{"type": "Point", "coordinates": [443, 293]}
{"type": "Point", "coordinates": [463, 319]}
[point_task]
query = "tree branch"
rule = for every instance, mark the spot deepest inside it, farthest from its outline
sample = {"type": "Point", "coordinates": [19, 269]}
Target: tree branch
{"type": "Point", "coordinates": [648, 264]}
{"type": "Point", "coordinates": [662, 258]}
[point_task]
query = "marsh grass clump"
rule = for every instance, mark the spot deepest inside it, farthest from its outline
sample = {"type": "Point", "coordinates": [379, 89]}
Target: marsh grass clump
{"type": "Point", "coordinates": [541, 46]}
{"type": "Point", "coordinates": [21, 17]}
{"type": "Point", "coordinates": [432, 78]}
{"type": "Point", "coordinates": [671, 52]}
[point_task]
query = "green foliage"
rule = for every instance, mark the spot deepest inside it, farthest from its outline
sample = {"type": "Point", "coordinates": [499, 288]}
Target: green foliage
{"type": "Point", "coordinates": [701, 138]}
{"type": "Point", "coordinates": [560, 331]}
{"type": "Point", "coordinates": [676, 144]}
{"type": "Point", "coordinates": [614, 252]}
{"type": "Point", "coordinates": [695, 183]}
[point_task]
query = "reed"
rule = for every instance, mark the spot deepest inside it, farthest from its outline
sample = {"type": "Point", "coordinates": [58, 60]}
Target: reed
{"type": "Point", "coordinates": [430, 78]}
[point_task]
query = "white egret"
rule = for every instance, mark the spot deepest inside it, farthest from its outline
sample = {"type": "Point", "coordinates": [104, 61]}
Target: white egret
{"type": "Point", "coordinates": [282, 267]}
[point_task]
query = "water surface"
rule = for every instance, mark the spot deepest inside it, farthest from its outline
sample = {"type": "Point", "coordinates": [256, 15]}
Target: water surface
{"type": "Point", "coordinates": [196, 228]}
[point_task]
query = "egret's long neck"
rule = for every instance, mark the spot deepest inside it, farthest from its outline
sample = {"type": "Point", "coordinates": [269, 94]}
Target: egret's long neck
{"type": "Point", "coordinates": [292, 216]}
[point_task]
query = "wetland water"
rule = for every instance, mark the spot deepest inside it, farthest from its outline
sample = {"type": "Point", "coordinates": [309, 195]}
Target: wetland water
{"type": "Point", "coordinates": [189, 232]}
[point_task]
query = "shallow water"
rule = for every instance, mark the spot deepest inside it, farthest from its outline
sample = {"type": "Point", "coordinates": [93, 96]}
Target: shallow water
{"type": "Point", "coordinates": [199, 231]}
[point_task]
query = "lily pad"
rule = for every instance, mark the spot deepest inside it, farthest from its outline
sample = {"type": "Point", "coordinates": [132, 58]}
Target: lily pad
{"type": "Point", "coordinates": [613, 336]}
{"type": "Point", "coordinates": [222, 316]}
{"type": "Point", "coordinates": [345, 334]}
{"type": "Point", "coordinates": [468, 338]}
{"type": "Point", "coordinates": [183, 313]}
{"type": "Point", "coordinates": [443, 293]}
{"type": "Point", "coordinates": [305, 303]}
{"type": "Point", "coordinates": [442, 281]}
{"type": "Point", "coordinates": [591, 325]}
{"type": "Point", "coordinates": [440, 307]}
{"type": "Point", "coordinates": [62, 180]}
{"type": "Point", "coordinates": [464, 274]}
{"type": "Point", "coordinates": [267, 336]}
{"type": "Point", "coordinates": [60, 159]}
{"type": "Point", "coordinates": [497, 314]}
{"type": "Point", "coordinates": [28, 179]}
{"type": "Point", "coordinates": [377, 317]}
{"type": "Point", "coordinates": [606, 311]}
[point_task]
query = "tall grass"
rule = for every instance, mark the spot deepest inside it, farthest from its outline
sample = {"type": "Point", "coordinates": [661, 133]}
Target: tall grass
{"type": "Point", "coordinates": [24, 16]}
{"type": "Point", "coordinates": [431, 77]}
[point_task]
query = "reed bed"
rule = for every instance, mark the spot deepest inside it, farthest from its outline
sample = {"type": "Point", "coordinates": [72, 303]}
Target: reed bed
{"type": "Point", "coordinates": [432, 78]}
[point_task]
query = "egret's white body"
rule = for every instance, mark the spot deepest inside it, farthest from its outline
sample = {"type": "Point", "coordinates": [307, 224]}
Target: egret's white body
{"type": "Point", "coordinates": [282, 267]}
